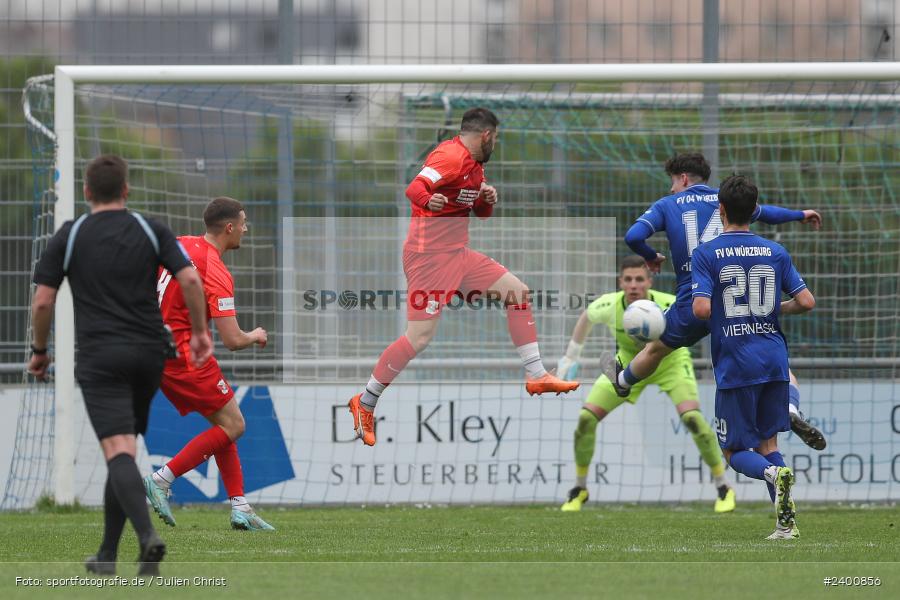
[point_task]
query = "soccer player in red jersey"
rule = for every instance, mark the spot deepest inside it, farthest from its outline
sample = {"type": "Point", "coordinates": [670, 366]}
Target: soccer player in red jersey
{"type": "Point", "coordinates": [205, 389]}
{"type": "Point", "coordinates": [439, 264]}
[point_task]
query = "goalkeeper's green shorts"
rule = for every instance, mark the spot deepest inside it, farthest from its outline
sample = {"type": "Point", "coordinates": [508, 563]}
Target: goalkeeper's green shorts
{"type": "Point", "coordinates": [675, 378]}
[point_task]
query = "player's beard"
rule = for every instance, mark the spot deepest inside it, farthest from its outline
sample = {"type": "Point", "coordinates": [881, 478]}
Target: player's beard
{"type": "Point", "coordinates": [486, 151]}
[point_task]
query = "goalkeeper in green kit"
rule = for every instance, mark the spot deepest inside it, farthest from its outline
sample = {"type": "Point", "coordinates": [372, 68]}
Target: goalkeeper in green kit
{"type": "Point", "coordinates": [675, 376]}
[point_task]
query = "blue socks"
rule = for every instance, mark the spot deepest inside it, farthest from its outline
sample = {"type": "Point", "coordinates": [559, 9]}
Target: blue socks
{"type": "Point", "coordinates": [778, 460]}
{"type": "Point", "coordinates": [793, 397]}
{"type": "Point", "coordinates": [750, 464]}
{"type": "Point", "coordinates": [629, 377]}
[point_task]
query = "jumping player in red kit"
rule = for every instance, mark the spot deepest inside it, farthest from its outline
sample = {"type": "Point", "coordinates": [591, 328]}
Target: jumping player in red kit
{"type": "Point", "coordinates": [205, 390]}
{"type": "Point", "coordinates": [439, 264]}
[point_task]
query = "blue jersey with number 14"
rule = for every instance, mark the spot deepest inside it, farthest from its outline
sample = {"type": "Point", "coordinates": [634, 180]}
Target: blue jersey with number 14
{"type": "Point", "coordinates": [744, 275]}
{"type": "Point", "coordinates": [689, 218]}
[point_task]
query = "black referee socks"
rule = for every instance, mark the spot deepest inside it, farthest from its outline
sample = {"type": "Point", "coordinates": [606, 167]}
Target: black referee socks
{"type": "Point", "coordinates": [113, 523]}
{"type": "Point", "coordinates": [129, 490]}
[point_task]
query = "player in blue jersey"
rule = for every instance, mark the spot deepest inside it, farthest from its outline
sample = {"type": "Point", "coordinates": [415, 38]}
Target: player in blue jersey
{"type": "Point", "coordinates": [738, 279]}
{"type": "Point", "coordinates": [689, 216]}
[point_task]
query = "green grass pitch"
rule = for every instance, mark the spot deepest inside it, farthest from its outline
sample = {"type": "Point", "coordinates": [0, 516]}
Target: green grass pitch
{"type": "Point", "coordinates": [677, 551]}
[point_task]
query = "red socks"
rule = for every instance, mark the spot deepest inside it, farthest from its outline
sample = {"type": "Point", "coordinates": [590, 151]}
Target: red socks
{"type": "Point", "coordinates": [520, 321]}
{"type": "Point", "coordinates": [393, 360]}
{"type": "Point", "coordinates": [212, 442]}
{"type": "Point", "coordinates": [229, 464]}
{"type": "Point", "coordinates": [199, 450]}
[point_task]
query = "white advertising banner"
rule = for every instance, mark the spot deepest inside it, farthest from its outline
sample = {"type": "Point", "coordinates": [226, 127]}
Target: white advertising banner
{"type": "Point", "coordinates": [485, 443]}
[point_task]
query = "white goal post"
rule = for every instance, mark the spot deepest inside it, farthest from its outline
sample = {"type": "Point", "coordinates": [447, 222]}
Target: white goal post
{"type": "Point", "coordinates": [66, 78]}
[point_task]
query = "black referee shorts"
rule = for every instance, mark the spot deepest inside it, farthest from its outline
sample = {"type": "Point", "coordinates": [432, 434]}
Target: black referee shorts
{"type": "Point", "coordinates": [118, 382]}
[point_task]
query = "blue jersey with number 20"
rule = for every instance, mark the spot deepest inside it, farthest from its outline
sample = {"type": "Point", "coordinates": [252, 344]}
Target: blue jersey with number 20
{"type": "Point", "coordinates": [744, 275]}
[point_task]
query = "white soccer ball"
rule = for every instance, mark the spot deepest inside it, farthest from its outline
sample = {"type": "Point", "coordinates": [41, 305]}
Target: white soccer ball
{"type": "Point", "coordinates": [644, 321]}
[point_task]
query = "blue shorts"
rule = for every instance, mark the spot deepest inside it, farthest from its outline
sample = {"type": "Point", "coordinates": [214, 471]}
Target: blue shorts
{"type": "Point", "coordinates": [745, 416]}
{"type": "Point", "coordinates": [683, 329]}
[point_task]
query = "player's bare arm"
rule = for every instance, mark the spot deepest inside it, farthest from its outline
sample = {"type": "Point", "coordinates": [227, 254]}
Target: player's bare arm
{"type": "Point", "coordinates": [567, 366]}
{"type": "Point", "coordinates": [702, 308]}
{"type": "Point", "coordinates": [803, 302]}
{"type": "Point", "coordinates": [582, 328]}
{"type": "Point", "coordinates": [41, 316]}
{"type": "Point", "coordinates": [235, 338]}
{"type": "Point", "coordinates": [192, 289]}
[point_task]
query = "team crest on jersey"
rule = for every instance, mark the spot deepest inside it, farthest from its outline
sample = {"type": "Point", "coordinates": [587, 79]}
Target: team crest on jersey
{"type": "Point", "coordinates": [433, 307]}
{"type": "Point", "coordinates": [223, 387]}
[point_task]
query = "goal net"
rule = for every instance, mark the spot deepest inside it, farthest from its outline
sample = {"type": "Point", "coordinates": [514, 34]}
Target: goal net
{"type": "Point", "coordinates": [321, 170]}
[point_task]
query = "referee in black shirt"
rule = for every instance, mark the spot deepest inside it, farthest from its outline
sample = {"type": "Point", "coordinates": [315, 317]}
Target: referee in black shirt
{"type": "Point", "coordinates": [111, 257]}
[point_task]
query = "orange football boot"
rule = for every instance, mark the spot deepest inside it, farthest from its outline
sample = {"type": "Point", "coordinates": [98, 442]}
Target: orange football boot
{"type": "Point", "coordinates": [363, 421]}
{"type": "Point", "coordinates": [549, 383]}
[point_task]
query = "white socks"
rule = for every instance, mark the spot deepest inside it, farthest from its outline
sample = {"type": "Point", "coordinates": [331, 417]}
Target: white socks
{"type": "Point", "coordinates": [164, 478]}
{"type": "Point", "coordinates": [240, 503]}
{"type": "Point", "coordinates": [373, 392]}
{"type": "Point", "coordinates": [531, 360]}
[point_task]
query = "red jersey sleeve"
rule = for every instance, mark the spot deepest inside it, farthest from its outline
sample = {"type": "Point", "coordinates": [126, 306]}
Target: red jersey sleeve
{"type": "Point", "coordinates": [482, 209]}
{"type": "Point", "coordinates": [441, 167]}
{"type": "Point", "coordinates": [418, 193]}
{"type": "Point", "coordinates": [219, 288]}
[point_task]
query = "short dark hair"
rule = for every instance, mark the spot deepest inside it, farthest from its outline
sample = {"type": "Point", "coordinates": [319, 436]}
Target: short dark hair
{"type": "Point", "coordinates": [105, 178]}
{"type": "Point", "coordinates": [692, 163]}
{"type": "Point", "coordinates": [479, 119]}
{"type": "Point", "coordinates": [219, 211]}
{"type": "Point", "coordinates": [633, 261]}
{"type": "Point", "coordinates": [738, 197]}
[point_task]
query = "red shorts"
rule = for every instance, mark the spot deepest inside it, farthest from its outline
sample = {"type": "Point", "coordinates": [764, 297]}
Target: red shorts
{"type": "Point", "coordinates": [202, 390]}
{"type": "Point", "coordinates": [432, 280]}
